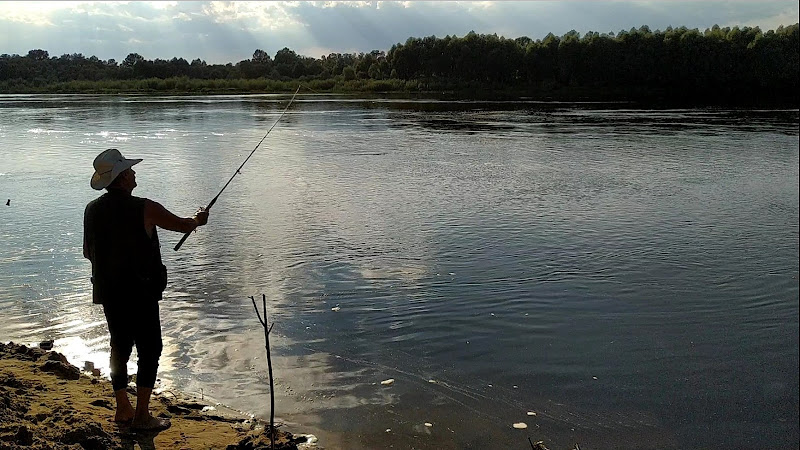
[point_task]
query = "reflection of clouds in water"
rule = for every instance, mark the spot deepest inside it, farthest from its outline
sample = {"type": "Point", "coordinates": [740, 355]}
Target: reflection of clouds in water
{"type": "Point", "coordinates": [301, 182]}
{"type": "Point", "coordinates": [375, 234]}
{"type": "Point", "coordinates": [232, 369]}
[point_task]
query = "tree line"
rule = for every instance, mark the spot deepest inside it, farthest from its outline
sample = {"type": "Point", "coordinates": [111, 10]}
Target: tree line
{"type": "Point", "coordinates": [716, 64]}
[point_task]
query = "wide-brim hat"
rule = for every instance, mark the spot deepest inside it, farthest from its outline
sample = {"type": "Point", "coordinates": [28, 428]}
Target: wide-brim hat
{"type": "Point", "coordinates": [108, 165]}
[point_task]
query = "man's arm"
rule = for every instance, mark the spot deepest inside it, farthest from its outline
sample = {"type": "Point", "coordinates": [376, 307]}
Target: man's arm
{"type": "Point", "coordinates": [157, 215]}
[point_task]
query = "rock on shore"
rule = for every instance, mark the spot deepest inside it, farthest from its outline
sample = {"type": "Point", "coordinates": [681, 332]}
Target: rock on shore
{"type": "Point", "coordinates": [47, 403]}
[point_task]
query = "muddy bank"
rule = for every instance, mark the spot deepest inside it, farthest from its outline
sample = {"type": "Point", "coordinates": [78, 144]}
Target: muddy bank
{"type": "Point", "coordinates": [47, 403]}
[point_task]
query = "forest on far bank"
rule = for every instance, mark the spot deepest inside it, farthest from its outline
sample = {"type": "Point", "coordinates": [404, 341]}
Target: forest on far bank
{"type": "Point", "coordinates": [717, 66]}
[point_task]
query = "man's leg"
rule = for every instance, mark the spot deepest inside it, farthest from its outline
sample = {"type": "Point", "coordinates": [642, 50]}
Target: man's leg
{"type": "Point", "coordinates": [121, 347]}
{"type": "Point", "coordinates": [148, 347]}
{"type": "Point", "coordinates": [124, 408]}
{"type": "Point", "coordinates": [143, 420]}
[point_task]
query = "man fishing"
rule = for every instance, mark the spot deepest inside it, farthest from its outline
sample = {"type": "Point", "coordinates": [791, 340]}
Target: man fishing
{"type": "Point", "coordinates": [128, 277]}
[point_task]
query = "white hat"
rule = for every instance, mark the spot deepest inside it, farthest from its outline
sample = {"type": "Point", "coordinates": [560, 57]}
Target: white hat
{"type": "Point", "coordinates": [108, 165]}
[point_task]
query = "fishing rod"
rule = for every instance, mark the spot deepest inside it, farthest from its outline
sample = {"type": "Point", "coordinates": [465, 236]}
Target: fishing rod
{"type": "Point", "coordinates": [214, 200]}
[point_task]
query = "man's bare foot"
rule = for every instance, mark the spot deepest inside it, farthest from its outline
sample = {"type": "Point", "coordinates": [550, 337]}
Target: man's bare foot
{"type": "Point", "coordinates": [150, 423]}
{"type": "Point", "coordinates": [124, 416]}
{"type": "Point", "coordinates": [125, 412]}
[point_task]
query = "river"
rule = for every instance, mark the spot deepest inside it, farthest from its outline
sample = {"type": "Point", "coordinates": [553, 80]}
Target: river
{"type": "Point", "coordinates": [629, 275]}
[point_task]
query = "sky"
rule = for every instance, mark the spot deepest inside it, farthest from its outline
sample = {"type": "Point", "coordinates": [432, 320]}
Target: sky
{"type": "Point", "coordinates": [222, 32]}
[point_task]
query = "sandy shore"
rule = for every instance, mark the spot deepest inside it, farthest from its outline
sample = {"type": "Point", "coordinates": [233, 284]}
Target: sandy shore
{"type": "Point", "coordinates": [47, 403]}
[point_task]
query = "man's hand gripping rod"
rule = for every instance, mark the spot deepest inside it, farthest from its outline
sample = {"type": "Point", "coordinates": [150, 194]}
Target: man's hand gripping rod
{"type": "Point", "coordinates": [214, 200]}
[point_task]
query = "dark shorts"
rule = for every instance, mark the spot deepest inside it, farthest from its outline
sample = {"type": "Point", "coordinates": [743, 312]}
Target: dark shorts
{"type": "Point", "coordinates": [138, 325]}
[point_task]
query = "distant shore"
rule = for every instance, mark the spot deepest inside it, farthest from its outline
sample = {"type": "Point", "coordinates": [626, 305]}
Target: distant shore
{"type": "Point", "coordinates": [399, 89]}
{"type": "Point", "coordinates": [45, 402]}
{"type": "Point", "coordinates": [180, 86]}
{"type": "Point", "coordinates": [718, 66]}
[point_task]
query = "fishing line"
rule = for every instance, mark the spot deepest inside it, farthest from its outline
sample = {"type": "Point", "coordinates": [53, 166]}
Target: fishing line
{"type": "Point", "coordinates": [214, 200]}
{"type": "Point", "coordinates": [449, 389]}
{"type": "Point", "coordinates": [312, 90]}
{"type": "Point", "coordinates": [474, 398]}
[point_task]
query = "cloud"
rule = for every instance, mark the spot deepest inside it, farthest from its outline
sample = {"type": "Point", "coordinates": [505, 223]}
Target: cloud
{"type": "Point", "coordinates": [222, 32]}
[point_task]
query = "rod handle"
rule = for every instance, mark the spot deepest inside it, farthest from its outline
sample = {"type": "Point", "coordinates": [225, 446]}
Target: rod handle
{"type": "Point", "coordinates": [183, 239]}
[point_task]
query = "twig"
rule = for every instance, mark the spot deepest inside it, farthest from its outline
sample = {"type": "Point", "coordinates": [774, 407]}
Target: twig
{"type": "Point", "coordinates": [267, 330]}
{"type": "Point", "coordinates": [539, 445]}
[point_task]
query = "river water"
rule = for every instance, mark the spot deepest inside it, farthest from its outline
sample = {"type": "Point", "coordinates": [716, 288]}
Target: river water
{"type": "Point", "coordinates": [629, 275]}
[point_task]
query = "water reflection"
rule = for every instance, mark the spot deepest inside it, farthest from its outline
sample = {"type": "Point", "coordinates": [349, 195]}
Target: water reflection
{"type": "Point", "coordinates": [601, 266]}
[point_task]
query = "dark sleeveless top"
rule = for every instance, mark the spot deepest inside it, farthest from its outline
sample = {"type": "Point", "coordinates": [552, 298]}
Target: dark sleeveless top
{"type": "Point", "coordinates": [124, 259]}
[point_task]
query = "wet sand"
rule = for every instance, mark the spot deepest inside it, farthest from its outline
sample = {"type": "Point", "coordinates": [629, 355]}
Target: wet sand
{"type": "Point", "coordinates": [47, 403]}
